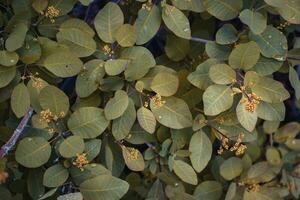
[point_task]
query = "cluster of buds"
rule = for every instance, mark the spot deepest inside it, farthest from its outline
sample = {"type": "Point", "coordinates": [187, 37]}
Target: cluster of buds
{"type": "Point", "coordinates": [168, 9]}
{"type": "Point", "coordinates": [36, 81]}
{"type": "Point", "coordinates": [283, 25]}
{"type": "Point", "coordinates": [108, 50]}
{"type": "Point", "coordinates": [148, 5]}
{"type": "Point", "coordinates": [250, 185]}
{"type": "Point", "coordinates": [80, 161]}
{"type": "Point", "coordinates": [158, 102]}
{"type": "Point", "coordinates": [46, 116]}
{"type": "Point", "coordinates": [250, 101]}
{"type": "Point", "coordinates": [237, 147]}
{"type": "Point", "coordinates": [51, 12]}
{"type": "Point", "coordinates": [51, 130]}
{"type": "Point", "coordinates": [3, 177]}
{"type": "Point", "coordinates": [131, 153]}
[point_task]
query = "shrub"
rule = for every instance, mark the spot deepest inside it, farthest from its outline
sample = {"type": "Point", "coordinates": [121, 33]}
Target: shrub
{"type": "Point", "coordinates": [142, 99]}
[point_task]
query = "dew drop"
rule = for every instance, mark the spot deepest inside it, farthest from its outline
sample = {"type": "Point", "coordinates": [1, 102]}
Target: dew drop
{"type": "Point", "coordinates": [270, 36]}
{"type": "Point", "coordinates": [12, 60]}
{"type": "Point", "coordinates": [279, 58]}
{"type": "Point", "coordinates": [186, 29]}
{"type": "Point", "coordinates": [159, 117]}
{"type": "Point", "coordinates": [29, 139]}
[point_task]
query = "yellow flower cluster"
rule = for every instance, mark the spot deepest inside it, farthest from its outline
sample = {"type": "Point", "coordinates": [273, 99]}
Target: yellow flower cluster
{"type": "Point", "coordinates": [80, 161]}
{"type": "Point", "coordinates": [131, 153]}
{"type": "Point", "coordinates": [108, 50]}
{"type": "Point", "coordinates": [148, 5]}
{"type": "Point", "coordinates": [237, 147]}
{"type": "Point", "coordinates": [47, 116]}
{"type": "Point", "coordinates": [158, 102]}
{"type": "Point", "coordinates": [250, 102]}
{"type": "Point", "coordinates": [51, 12]}
{"type": "Point", "coordinates": [283, 25]}
{"type": "Point", "coordinates": [250, 185]}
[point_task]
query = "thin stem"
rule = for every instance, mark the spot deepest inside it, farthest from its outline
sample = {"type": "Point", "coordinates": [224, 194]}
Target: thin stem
{"type": "Point", "coordinates": [195, 39]}
{"type": "Point", "coordinates": [17, 133]}
{"type": "Point", "coordinates": [261, 7]}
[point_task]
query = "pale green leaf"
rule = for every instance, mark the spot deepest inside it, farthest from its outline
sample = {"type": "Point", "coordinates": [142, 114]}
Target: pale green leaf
{"type": "Point", "coordinates": [185, 172]}
{"type": "Point", "coordinates": [55, 176]}
{"type": "Point", "coordinates": [231, 168]}
{"type": "Point", "coordinates": [176, 21]}
{"type": "Point", "coordinates": [146, 119]}
{"type": "Point", "coordinates": [201, 150]}
{"type": "Point", "coordinates": [165, 84]}
{"type": "Point", "coordinates": [71, 146]}
{"type": "Point", "coordinates": [20, 100]}
{"type": "Point", "coordinates": [88, 122]}
{"type": "Point", "coordinates": [174, 113]}
{"type": "Point", "coordinates": [256, 21]}
{"type": "Point", "coordinates": [217, 99]}
{"type": "Point", "coordinates": [117, 105]}
{"type": "Point", "coordinates": [33, 152]}
{"type": "Point", "coordinates": [108, 20]}
{"type": "Point", "coordinates": [222, 74]}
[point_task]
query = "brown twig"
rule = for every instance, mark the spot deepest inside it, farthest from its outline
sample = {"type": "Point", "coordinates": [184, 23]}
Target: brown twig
{"type": "Point", "coordinates": [15, 136]}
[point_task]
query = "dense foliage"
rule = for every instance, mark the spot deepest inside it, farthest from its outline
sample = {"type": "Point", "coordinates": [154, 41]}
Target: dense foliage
{"type": "Point", "coordinates": [142, 99]}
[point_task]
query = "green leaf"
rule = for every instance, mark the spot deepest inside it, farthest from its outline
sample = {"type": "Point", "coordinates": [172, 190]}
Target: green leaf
{"type": "Point", "coordinates": [217, 51]}
{"type": "Point", "coordinates": [117, 105]}
{"type": "Point", "coordinates": [89, 80]}
{"type": "Point", "coordinates": [126, 35]}
{"type": "Point", "coordinates": [146, 119]}
{"type": "Point", "coordinates": [223, 9]}
{"type": "Point", "coordinates": [133, 158]}
{"type": "Point", "coordinates": [201, 150]}
{"type": "Point", "coordinates": [200, 77]}
{"type": "Point", "coordinates": [16, 38]}
{"type": "Point", "coordinates": [8, 58]}
{"type": "Point", "coordinates": [272, 43]}
{"type": "Point", "coordinates": [231, 168]}
{"type": "Point", "coordinates": [55, 176]}
{"type": "Point", "coordinates": [55, 100]}
{"type": "Point", "coordinates": [227, 34]}
{"type": "Point", "coordinates": [216, 99]}
{"type": "Point", "coordinates": [222, 74]}
{"type": "Point", "coordinates": [244, 56]}
{"type": "Point", "coordinates": [141, 60]}
{"type": "Point", "coordinates": [116, 66]}
{"type": "Point", "coordinates": [246, 118]}
{"type": "Point", "coordinates": [62, 67]}
{"type": "Point", "coordinates": [268, 89]}
{"type": "Point", "coordinates": [294, 80]}
{"type": "Point", "coordinates": [31, 51]}
{"type": "Point", "coordinates": [104, 187]}
{"type": "Point", "coordinates": [174, 113]}
{"type": "Point", "coordinates": [20, 100]}
{"type": "Point", "coordinates": [122, 125]}
{"type": "Point", "coordinates": [256, 21]}
{"type": "Point", "coordinates": [290, 11]}
{"type": "Point", "coordinates": [35, 183]}
{"type": "Point", "coordinates": [71, 146]}
{"type": "Point", "coordinates": [266, 66]}
{"type": "Point", "coordinates": [147, 24]}
{"type": "Point", "coordinates": [88, 122]}
{"type": "Point", "coordinates": [271, 111]}
{"type": "Point", "coordinates": [108, 20]}
{"type": "Point", "coordinates": [39, 5]}
{"type": "Point", "coordinates": [7, 74]}
{"type": "Point", "coordinates": [177, 48]}
{"type": "Point", "coordinates": [33, 152]}
{"type": "Point", "coordinates": [208, 190]}
{"type": "Point", "coordinates": [193, 5]}
{"type": "Point", "coordinates": [81, 44]}
{"type": "Point", "coordinates": [176, 21]}
{"type": "Point", "coordinates": [92, 148]}
{"type": "Point", "coordinates": [185, 172]}
{"type": "Point", "coordinates": [165, 84]}
{"type": "Point", "coordinates": [77, 24]}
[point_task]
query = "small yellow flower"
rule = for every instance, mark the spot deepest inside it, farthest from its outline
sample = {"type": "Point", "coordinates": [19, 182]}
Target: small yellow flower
{"type": "Point", "coordinates": [158, 101]}
{"type": "Point", "coordinates": [46, 116]}
{"type": "Point", "coordinates": [51, 12]}
{"type": "Point", "coordinates": [80, 161]}
{"type": "Point", "coordinates": [131, 153]}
